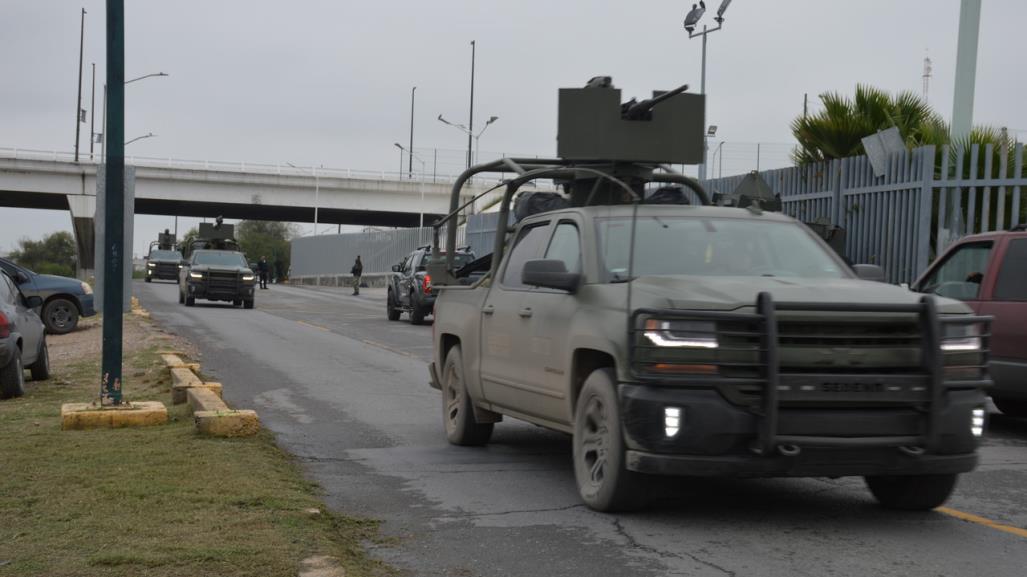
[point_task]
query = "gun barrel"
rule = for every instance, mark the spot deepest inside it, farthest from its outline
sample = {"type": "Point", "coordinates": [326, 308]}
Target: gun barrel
{"type": "Point", "coordinates": [640, 109]}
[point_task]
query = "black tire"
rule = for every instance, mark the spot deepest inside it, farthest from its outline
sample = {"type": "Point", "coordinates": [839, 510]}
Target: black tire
{"type": "Point", "coordinates": [41, 368]}
{"type": "Point", "coordinates": [60, 316]}
{"type": "Point", "coordinates": [1011, 408]}
{"type": "Point", "coordinates": [416, 312]}
{"type": "Point", "coordinates": [12, 378]}
{"type": "Point", "coordinates": [247, 304]}
{"type": "Point", "coordinates": [390, 308]}
{"type": "Point", "coordinates": [148, 279]}
{"type": "Point", "coordinates": [237, 303]}
{"type": "Point", "coordinates": [912, 492]}
{"type": "Point", "coordinates": [190, 301]}
{"type": "Point", "coordinates": [457, 412]}
{"type": "Point", "coordinates": [604, 483]}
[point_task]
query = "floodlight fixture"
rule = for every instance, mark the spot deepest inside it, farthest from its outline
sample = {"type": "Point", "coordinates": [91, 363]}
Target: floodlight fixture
{"type": "Point", "coordinates": [694, 15]}
{"type": "Point", "coordinates": [712, 131]}
{"type": "Point", "coordinates": [721, 10]}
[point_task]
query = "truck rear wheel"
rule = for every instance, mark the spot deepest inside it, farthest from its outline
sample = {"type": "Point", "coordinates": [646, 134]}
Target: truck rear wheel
{"type": "Point", "coordinates": [416, 311]}
{"type": "Point", "coordinates": [604, 483]}
{"type": "Point", "coordinates": [912, 492]}
{"type": "Point", "coordinates": [457, 412]}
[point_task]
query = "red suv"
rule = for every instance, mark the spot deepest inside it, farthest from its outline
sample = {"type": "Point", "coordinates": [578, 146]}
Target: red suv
{"type": "Point", "coordinates": [989, 272]}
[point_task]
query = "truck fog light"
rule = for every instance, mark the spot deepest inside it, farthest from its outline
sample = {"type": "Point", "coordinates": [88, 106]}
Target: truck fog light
{"type": "Point", "coordinates": [977, 421]}
{"type": "Point", "coordinates": [671, 420]}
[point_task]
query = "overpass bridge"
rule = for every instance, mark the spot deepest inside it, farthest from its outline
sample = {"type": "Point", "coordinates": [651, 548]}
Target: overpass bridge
{"type": "Point", "coordinates": [240, 190]}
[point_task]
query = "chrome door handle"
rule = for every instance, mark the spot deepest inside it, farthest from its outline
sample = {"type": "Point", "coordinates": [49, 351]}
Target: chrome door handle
{"type": "Point", "coordinates": [488, 310]}
{"type": "Point", "coordinates": [525, 312]}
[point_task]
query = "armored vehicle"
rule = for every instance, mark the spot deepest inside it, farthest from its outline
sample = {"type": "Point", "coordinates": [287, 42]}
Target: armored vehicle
{"type": "Point", "coordinates": [689, 339]}
{"type": "Point", "coordinates": [164, 258]}
{"type": "Point", "coordinates": [217, 271]}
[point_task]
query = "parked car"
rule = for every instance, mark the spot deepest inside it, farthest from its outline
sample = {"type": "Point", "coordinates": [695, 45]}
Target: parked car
{"type": "Point", "coordinates": [410, 287]}
{"type": "Point", "coordinates": [22, 339]}
{"type": "Point", "coordinates": [64, 299]}
{"type": "Point", "coordinates": [989, 273]}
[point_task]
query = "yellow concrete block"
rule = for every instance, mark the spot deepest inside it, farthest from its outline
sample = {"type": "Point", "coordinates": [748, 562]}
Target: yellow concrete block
{"type": "Point", "coordinates": [76, 416]}
{"type": "Point", "coordinates": [173, 361]}
{"type": "Point", "coordinates": [180, 393]}
{"type": "Point", "coordinates": [183, 377]}
{"type": "Point", "coordinates": [204, 399]}
{"type": "Point", "coordinates": [227, 423]}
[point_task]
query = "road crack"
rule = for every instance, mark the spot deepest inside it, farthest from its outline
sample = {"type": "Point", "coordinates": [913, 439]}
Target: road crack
{"type": "Point", "coordinates": [634, 544]}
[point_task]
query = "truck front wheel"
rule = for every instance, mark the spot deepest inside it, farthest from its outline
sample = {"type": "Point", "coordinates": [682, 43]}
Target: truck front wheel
{"type": "Point", "coordinates": [457, 412]}
{"type": "Point", "coordinates": [604, 483]}
{"type": "Point", "coordinates": [912, 492]}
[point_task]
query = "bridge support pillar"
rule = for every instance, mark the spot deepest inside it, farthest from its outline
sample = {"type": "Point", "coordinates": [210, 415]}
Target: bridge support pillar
{"type": "Point", "coordinates": [83, 215]}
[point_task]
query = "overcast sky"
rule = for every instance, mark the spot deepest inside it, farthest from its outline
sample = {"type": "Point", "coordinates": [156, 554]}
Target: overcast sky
{"type": "Point", "coordinates": [328, 82]}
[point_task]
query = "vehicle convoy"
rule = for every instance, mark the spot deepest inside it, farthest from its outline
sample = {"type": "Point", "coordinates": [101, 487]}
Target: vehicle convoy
{"type": "Point", "coordinates": [670, 337]}
{"type": "Point", "coordinates": [410, 289]}
{"type": "Point", "coordinates": [22, 339]}
{"type": "Point", "coordinates": [65, 299]}
{"type": "Point", "coordinates": [989, 273]}
{"type": "Point", "coordinates": [164, 259]}
{"type": "Point", "coordinates": [217, 272]}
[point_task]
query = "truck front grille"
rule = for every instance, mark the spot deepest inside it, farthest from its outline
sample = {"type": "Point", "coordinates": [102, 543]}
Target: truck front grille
{"type": "Point", "coordinates": [222, 281]}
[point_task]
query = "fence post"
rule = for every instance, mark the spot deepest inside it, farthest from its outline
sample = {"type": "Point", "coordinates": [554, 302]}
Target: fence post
{"type": "Point", "coordinates": [923, 228]}
{"type": "Point", "coordinates": [836, 189]}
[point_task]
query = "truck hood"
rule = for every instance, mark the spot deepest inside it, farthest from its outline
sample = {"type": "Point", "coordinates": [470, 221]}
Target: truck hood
{"type": "Point", "coordinates": [728, 293]}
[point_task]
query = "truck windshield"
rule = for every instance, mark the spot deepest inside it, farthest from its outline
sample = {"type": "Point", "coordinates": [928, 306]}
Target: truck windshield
{"type": "Point", "coordinates": [713, 247]}
{"type": "Point", "coordinates": [165, 255]}
{"type": "Point", "coordinates": [219, 259]}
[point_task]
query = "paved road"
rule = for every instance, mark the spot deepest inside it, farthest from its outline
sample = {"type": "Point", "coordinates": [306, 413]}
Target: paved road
{"type": "Point", "coordinates": [346, 391]}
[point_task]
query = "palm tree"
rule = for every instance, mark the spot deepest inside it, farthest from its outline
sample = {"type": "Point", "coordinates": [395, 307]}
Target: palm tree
{"type": "Point", "coordinates": [837, 130]}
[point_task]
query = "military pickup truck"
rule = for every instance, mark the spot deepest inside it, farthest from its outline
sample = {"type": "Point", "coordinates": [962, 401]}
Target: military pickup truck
{"type": "Point", "coordinates": [216, 275]}
{"type": "Point", "coordinates": [694, 340]}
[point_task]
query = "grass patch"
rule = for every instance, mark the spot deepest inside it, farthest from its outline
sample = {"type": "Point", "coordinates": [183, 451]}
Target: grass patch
{"type": "Point", "coordinates": [155, 501]}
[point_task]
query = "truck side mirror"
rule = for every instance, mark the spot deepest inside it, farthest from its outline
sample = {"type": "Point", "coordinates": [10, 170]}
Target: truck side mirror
{"type": "Point", "coordinates": [870, 272]}
{"type": "Point", "coordinates": [20, 277]}
{"type": "Point", "coordinates": [550, 274]}
{"type": "Point", "coordinates": [396, 268]}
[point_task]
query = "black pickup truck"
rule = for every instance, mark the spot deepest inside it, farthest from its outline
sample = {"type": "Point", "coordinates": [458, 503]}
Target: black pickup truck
{"type": "Point", "coordinates": [410, 287]}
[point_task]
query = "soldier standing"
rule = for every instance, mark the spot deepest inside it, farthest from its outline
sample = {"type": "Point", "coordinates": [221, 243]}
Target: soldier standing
{"type": "Point", "coordinates": [356, 271]}
{"type": "Point", "coordinates": [262, 268]}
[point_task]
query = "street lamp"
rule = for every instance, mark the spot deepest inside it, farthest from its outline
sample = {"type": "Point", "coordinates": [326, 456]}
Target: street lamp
{"type": "Point", "coordinates": [691, 20]}
{"type": "Point", "coordinates": [420, 184]}
{"type": "Point", "coordinates": [147, 135]}
{"type": "Point", "coordinates": [465, 130]}
{"type": "Point", "coordinates": [101, 138]}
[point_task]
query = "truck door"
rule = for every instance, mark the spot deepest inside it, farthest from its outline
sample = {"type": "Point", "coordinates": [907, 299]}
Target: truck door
{"type": "Point", "coordinates": [1008, 307]}
{"type": "Point", "coordinates": [960, 273]}
{"type": "Point", "coordinates": [404, 279]}
{"type": "Point", "coordinates": [545, 357]}
{"type": "Point", "coordinates": [507, 368]}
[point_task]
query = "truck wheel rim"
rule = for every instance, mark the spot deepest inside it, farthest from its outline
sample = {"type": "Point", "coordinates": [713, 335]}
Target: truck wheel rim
{"type": "Point", "coordinates": [594, 442]}
{"type": "Point", "coordinates": [454, 397]}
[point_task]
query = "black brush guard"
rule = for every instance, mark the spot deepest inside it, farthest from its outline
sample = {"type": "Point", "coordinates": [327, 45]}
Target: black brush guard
{"type": "Point", "coordinates": [769, 439]}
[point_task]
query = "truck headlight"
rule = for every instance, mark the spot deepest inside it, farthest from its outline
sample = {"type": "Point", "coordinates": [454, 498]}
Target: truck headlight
{"type": "Point", "coordinates": [681, 334]}
{"type": "Point", "coordinates": [248, 277]}
{"type": "Point", "coordinates": [196, 275]}
{"type": "Point", "coordinates": [961, 337]}
{"type": "Point", "coordinates": [151, 265]}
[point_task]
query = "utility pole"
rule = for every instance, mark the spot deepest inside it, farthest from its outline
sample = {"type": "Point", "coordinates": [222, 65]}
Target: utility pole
{"type": "Point", "coordinates": [470, 122]}
{"type": "Point", "coordinates": [966, 69]}
{"type": "Point", "coordinates": [805, 104]}
{"type": "Point", "coordinates": [114, 208]}
{"type": "Point", "coordinates": [103, 122]}
{"type": "Point", "coordinates": [410, 168]}
{"type": "Point", "coordinates": [92, 115]}
{"type": "Point", "coordinates": [78, 103]}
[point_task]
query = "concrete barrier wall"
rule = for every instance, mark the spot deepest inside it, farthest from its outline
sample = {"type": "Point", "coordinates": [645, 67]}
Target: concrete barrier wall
{"type": "Point", "coordinates": [331, 255]}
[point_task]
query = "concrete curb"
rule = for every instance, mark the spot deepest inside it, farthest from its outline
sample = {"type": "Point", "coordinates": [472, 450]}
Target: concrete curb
{"type": "Point", "coordinates": [213, 417]}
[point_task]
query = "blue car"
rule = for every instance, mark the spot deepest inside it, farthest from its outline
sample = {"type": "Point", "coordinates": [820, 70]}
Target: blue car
{"type": "Point", "coordinates": [64, 299]}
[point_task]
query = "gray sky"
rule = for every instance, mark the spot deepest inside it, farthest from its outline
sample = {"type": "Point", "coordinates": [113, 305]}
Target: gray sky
{"type": "Point", "coordinates": [328, 82]}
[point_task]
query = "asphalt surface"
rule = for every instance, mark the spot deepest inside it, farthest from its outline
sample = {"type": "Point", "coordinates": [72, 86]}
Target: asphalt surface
{"type": "Point", "coordinates": [346, 391]}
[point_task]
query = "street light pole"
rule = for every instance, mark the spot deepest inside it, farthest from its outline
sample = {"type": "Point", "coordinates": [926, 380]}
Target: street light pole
{"type": "Point", "coordinates": [78, 104]}
{"type": "Point", "coordinates": [420, 184]}
{"type": "Point", "coordinates": [411, 167]}
{"type": "Point", "coordinates": [470, 122]}
{"type": "Point", "coordinates": [691, 21]}
{"type": "Point", "coordinates": [92, 115]}
{"type": "Point", "coordinates": [114, 209]}
{"type": "Point", "coordinates": [103, 137]}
